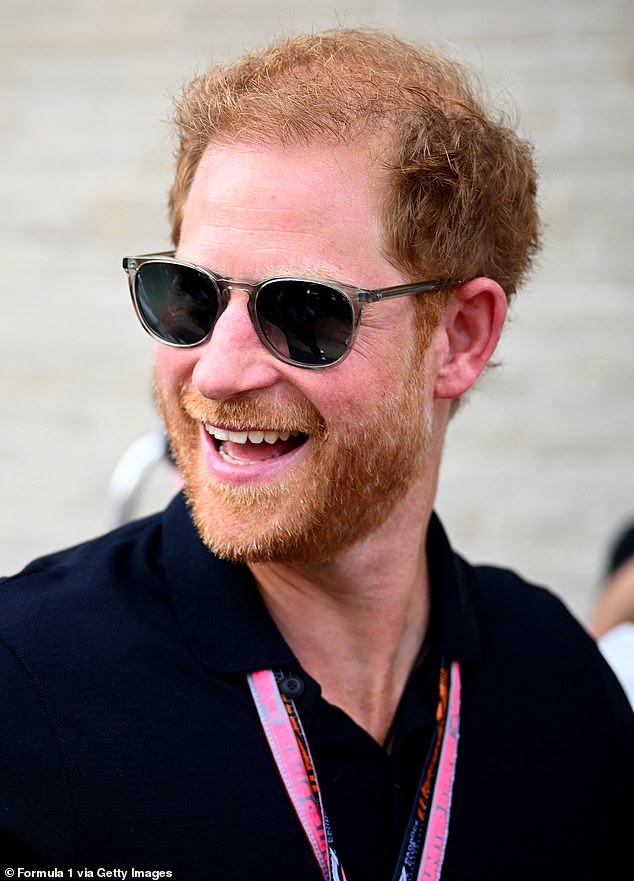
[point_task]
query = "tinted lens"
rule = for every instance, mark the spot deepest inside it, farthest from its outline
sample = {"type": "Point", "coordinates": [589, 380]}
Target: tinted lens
{"type": "Point", "coordinates": [178, 303]}
{"type": "Point", "coordinates": [309, 323]}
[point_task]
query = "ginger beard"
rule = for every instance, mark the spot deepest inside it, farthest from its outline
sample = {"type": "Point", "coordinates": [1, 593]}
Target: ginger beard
{"type": "Point", "coordinates": [356, 472]}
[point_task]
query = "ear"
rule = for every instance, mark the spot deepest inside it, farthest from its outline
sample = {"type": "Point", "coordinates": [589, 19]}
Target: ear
{"type": "Point", "coordinates": [468, 334]}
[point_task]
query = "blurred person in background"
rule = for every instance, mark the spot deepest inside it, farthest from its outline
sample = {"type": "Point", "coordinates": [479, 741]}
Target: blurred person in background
{"type": "Point", "coordinates": [289, 673]}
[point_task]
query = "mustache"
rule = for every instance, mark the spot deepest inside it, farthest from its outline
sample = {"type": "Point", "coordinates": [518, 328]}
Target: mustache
{"type": "Point", "coordinates": [247, 412]}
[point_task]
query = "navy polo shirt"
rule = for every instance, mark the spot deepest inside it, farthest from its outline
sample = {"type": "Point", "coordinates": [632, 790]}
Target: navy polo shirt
{"type": "Point", "coordinates": [129, 738]}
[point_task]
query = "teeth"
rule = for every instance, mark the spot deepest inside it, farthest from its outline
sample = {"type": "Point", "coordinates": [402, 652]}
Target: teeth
{"type": "Point", "coordinates": [255, 437]}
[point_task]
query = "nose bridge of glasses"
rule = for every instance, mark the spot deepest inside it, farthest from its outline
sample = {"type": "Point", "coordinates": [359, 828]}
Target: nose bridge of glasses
{"type": "Point", "coordinates": [228, 285]}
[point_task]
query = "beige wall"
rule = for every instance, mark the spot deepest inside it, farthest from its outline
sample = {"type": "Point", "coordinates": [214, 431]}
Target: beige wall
{"type": "Point", "coordinates": [539, 467]}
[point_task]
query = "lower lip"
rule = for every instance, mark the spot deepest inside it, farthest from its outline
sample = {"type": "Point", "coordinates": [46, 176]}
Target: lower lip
{"type": "Point", "coordinates": [265, 471]}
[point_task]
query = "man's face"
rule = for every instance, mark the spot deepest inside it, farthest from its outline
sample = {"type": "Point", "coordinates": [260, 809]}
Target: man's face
{"type": "Point", "coordinates": [328, 453]}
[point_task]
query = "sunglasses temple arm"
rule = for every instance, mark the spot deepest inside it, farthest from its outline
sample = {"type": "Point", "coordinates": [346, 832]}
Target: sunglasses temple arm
{"type": "Point", "coordinates": [403, 290]}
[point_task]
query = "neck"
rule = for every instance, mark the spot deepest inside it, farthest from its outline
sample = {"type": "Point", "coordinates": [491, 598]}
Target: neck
{"type": "Point", "coordinates": [357, 624]}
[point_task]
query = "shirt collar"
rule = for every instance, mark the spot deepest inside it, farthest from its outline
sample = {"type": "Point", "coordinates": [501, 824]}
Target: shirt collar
{"type": "Point", "coordinates": [229, 629]}
{"type": "Point", "coordinates": [454, 630]}
{"type": "Point", "coordinates": [217, 603]}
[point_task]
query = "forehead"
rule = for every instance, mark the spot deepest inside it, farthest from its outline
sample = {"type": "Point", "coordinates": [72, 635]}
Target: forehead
{"type": "Point", "coordinates": [262, 210]}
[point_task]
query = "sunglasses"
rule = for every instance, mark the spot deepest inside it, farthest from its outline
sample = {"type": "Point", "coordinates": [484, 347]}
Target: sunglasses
{"type": "Point", "coordinates": [301, 321]}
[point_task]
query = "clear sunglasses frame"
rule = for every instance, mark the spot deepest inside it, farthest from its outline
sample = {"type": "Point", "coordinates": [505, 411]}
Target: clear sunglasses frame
{"type": "Point", "coordinates": [357, 297]}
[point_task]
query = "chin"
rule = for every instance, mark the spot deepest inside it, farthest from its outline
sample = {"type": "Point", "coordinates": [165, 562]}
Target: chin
{"type": "Point", "coordinates": [265, 524]}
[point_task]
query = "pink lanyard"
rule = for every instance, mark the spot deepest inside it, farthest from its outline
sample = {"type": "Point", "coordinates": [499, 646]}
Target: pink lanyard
{"type": "Point", "coordinates": [423, 849]}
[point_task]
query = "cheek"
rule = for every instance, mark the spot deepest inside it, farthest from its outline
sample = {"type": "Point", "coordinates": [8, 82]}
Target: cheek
{"type": "Point", "coordinates": [351, 392]}
{"type": "Point", "coordinates": [172, 367]}
{"type": "Point", "coordinates": [386, 352]}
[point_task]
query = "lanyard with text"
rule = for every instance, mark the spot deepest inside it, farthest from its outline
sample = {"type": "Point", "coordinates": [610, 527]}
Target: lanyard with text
{"type": "Point", "coordinates": [423, 849]}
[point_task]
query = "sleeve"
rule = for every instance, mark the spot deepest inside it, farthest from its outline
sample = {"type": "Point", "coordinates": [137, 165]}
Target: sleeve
{"type": "Point", "coordinates": [36, 816]}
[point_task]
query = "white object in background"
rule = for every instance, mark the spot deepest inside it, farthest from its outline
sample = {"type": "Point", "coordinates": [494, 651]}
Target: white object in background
{"type": "Point", "coordinates": [617, 646]}
{"type": "Point", "coordinates": [131, 471]}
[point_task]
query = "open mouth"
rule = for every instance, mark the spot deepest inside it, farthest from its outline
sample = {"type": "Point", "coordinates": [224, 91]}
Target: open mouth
{"type": "Point", "coordinates": [252, 446]}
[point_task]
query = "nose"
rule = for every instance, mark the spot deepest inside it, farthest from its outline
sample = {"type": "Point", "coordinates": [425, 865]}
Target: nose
{"type": "Point", "coordinates": [233, 361]}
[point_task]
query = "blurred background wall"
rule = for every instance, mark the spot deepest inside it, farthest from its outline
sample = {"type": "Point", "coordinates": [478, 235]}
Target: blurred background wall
{"type": "Point", "coordinates": [538, 473]}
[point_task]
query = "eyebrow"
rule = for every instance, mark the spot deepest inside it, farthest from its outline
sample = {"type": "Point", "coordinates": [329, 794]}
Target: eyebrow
{"type": "Point", "coordinates": [314, 274]}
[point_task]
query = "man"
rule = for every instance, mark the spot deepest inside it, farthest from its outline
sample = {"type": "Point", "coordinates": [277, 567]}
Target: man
{"type": "Point", "coordinates": [291, 675]}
